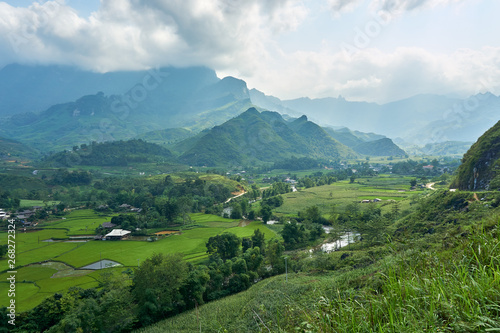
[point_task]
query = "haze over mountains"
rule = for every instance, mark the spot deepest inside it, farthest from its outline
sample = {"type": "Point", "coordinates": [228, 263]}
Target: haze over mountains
{"type": "Point", "coordinates": [54, 107]}
{"type": "Point", "coordinates": [420, 119]}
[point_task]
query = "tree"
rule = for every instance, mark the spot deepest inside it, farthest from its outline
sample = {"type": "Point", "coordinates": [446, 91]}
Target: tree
{"type": "Point", "coordinates": [246, 243]}
{"type": "Point", "coordinates": [156, 286]}
{"type": "Point", "coordinates": [236, 212]}
{"type": "Point", "coordinates": [258, 240]}
{"type": "Point", "coordinates": [313, 214]}
{"type": "Point", "coordinates": [266, 213]}
{"type": "Point", "coordinates": [171, 210]}
{"type": "Point", "coordinates": [184, 205]}
{"type": "Point", "coordinates": [226, 245]}
{"type": "Point", "coordinates": [254, 259]}
{"type": "Point", "coordinates": [274, 255]}
{"type": "Point", "coordinates": [195, 286]}
{"type": "Point", "coordinates": [293, 234]}
{"type": "Point", "coordinates": [244, 207]}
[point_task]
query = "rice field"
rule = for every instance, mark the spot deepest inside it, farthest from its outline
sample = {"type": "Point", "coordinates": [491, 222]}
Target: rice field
{"type": "Point", "coordinates": [46, 266]}
{"type": "Point", "coordinates": [386, 188]}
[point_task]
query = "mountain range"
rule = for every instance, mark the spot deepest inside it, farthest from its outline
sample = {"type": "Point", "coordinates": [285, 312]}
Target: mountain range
{"type": "Point", "coordinates": [254, 137]}
{"type": "Point", "coordinates": [50, 108]}
{"type": "Point", "coordinates": [260, 137]}
{"type": "Point", "coordinates": [164, 98]}
{"type": "Point", "coordinates": [417, 120]}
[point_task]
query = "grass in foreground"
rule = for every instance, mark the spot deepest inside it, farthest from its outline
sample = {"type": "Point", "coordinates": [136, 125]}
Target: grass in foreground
{"type": "Point", "coordinates": [409, 290]}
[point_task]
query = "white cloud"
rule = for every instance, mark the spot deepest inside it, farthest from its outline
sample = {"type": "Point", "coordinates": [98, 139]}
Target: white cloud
{"type": "Point", "coordinates": [239, 38]}
{"type": "Point", "coordinates": [400, 6]}
{"type": "Point", "coordinates": [343, 6]}
{"type": "Point", "coordinates": [378, 76]}
{"type": "Point", "coordinates": [133, 34]}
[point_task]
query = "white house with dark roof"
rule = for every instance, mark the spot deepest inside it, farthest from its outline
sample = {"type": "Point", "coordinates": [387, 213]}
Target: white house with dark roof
{"type": "Point", "coordinates": [117, 234]}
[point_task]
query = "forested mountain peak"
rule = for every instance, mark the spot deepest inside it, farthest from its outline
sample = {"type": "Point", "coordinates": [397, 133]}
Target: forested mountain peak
{"type": "Point", "coordinates": [262, 137]}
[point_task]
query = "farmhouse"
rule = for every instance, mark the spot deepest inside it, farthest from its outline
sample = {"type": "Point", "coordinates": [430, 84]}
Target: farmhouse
{"type": "Point", "coordinates": [117, 234]}
{"type": "Point", "coordinates": [108, 225]}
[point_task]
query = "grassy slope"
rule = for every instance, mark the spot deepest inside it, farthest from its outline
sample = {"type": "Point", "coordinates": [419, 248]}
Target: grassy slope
{"type": "Point", "coordinates": [437, 283]}
{"type": "Point", "coordinates": [11, 149]}
{"type": "Point", "coordinates": [266, 303]}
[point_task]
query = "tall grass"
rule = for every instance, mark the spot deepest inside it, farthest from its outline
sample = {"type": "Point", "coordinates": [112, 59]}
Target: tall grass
{"type": "Point", "coordinates": [423, 293]}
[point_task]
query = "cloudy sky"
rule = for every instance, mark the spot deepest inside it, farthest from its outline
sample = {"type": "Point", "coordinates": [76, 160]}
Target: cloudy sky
{"type": "Point", "coordinates": [373, 50]}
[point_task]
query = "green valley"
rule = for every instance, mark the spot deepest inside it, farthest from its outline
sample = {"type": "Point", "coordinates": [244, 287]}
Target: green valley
{"type": "Point", "coordinates": [165, 198]}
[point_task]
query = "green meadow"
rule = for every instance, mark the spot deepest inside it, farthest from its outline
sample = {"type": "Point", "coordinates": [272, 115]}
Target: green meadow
{"type": "Point", "coordinates": [46, 267]}
{"type": "Point", "coordinates": [387, 188]}
{"type": "Point", "coordinates": [41, 203]}
{"type": "Point", "coordinates": [79, 222]}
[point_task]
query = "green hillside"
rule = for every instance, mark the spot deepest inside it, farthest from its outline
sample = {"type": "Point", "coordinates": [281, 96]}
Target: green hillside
{"type": "Point", "coordinates": [166, 136]}
{"type": "Point", "coordinates": [318, 141]}
{"type": "Point", "coordinates": [11, 149]}
{"type": "Point", "coordinates": [366, 143]}
{"type": "Point", "coordinates": [481, 164]}
{"type": "Point", "coordinates": [116, 153]}
{"type": "Point", "coordinates": [381, 147]}
{"type": "Point", "coordinates": [192, 98]}
{"type": "Point", "coordinates": [260, 137]}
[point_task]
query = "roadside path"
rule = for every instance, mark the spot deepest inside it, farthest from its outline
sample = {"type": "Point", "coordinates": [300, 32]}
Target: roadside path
{"type": "Point", "coordinates": [239, 195]}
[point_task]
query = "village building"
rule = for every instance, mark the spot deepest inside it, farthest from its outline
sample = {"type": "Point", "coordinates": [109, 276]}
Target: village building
{"type": "Point", "coordinates": [108, 225]}
{"type": "Point", "coordinates": [117, 234]}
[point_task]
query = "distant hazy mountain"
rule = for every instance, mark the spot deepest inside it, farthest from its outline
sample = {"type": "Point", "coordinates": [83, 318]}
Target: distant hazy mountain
{"type": "Point", "coordinates": [167, 136]}
{"type": "Point", "coordinates": [260, 137]}
{"type": "Point", "coordinates": [167, 98]}
{"type": "Point", "coordinates": [466, 120]}
{"type": "Point", "coordinates": [438, 149]}
{"type": "Point", "coordinates": [418, 120]}
{"type": "Point", "coordinates": [392, 119]}
{"type": "Point", "coordinates": [36, 88]}
{"type": "Point", "coordinates": [366, 143]}
{"type": "Point", "coordinates": [56, 107]}
{"type": "Point", "coordinates": [271, 103]}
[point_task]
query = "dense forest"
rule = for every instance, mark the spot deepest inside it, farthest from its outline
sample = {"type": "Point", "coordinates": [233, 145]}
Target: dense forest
{"type": "Point", "coordinates": [115, 153]}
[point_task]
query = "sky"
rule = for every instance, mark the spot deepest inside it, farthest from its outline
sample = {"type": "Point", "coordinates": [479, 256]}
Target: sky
{"type": "Point", "coordinates": [365, 50]}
